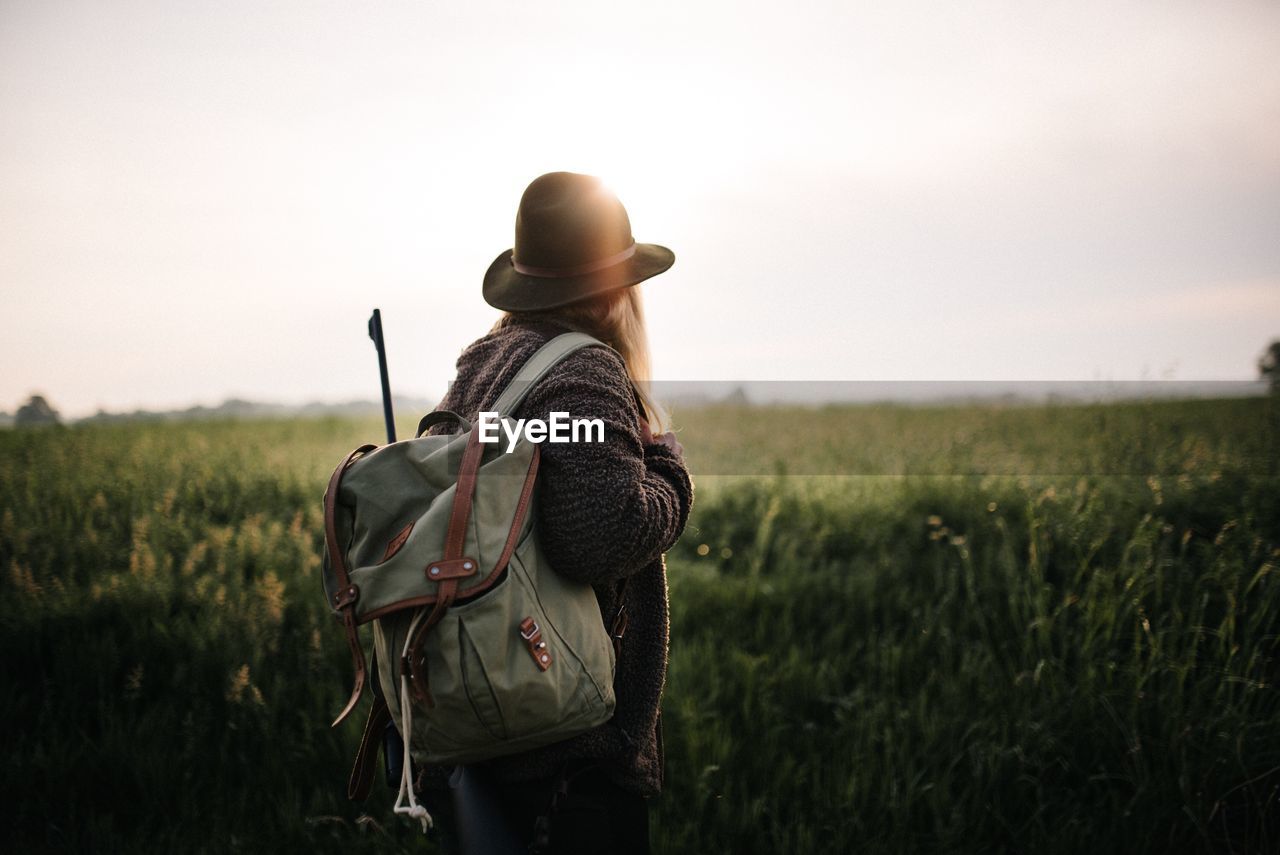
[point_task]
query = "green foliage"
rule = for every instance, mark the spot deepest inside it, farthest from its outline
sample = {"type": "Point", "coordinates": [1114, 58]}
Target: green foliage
{"type": "Point", "coordinates": [966, 664]}
{"type": "Point", "coordinates": [1041, 629]}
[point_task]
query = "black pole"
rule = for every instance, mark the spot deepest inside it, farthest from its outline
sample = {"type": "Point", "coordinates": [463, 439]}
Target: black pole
{"type": "Point", "coordinates": [392, 746]}
{"type": "Point", "coordinates": [477, 806]}
{"type": "Point", "coordinates": [375, 333]}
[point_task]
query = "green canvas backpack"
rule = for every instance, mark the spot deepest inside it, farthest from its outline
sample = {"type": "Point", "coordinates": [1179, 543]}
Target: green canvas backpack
{"type": "Point", "coordinates": [480, 648]}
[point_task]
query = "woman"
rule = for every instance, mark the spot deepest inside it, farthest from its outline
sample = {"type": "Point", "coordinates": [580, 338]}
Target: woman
{"type": "Point", "coordinates": [606, 512]}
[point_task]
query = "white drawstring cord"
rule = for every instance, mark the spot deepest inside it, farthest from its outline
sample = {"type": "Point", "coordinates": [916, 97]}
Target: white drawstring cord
{"type": "Point", "coordinates": [413, 810]}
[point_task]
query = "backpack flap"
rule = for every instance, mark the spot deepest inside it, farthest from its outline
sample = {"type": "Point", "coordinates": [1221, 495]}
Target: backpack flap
{"type": "Point", "coordinates": [411, 524]}
{"type": "Point", "coordinates": [403, 499]}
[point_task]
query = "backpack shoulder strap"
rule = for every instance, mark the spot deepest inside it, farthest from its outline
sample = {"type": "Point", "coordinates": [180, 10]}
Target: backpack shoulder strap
{"type": "Point", "coordinates": [537, 366]}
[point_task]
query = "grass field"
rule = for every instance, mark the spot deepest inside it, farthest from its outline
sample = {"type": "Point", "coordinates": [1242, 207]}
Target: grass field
{"type": "Point", "coordinates": [955, 629]}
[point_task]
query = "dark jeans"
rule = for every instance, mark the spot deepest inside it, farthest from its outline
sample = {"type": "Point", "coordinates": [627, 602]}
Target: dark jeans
{"type": "Point", "coordinates": [592, 815]}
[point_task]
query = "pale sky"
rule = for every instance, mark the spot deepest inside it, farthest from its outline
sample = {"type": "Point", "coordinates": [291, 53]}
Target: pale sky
{"type": "Point", "coordinates": [204, 200]}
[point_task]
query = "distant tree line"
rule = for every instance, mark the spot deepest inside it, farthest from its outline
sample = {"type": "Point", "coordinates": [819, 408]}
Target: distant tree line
{"type": "Point", "coordinates": [1269, 366]}
{"type": "Point", "coordinates": [36, 412]}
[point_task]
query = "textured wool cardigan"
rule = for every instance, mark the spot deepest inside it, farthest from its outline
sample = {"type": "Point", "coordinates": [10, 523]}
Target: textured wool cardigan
{"type": "Point", "coordinates": [605, 511]}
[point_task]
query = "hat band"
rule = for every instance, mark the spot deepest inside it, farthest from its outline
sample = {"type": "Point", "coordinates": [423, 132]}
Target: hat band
{"type": "Point", "coordinates": [578, 270]}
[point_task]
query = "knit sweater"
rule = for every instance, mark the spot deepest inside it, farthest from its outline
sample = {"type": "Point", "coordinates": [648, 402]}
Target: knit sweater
{"type": "Point", "coordinates": [605, 511]}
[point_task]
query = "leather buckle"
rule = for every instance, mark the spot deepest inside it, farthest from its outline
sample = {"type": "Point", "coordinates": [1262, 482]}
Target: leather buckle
{"type": "Point", "coordinates": [451, 568]}
{"type": "Point", "coordinates": [532, 635]}
{"type": "Point", "coordinates": [346, 597]}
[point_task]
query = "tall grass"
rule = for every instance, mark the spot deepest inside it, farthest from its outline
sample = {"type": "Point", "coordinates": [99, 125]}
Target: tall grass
{"type": "Point", "coordinates": [1050, 637]}
{"type": "Point", "coordinates": [974, 665]}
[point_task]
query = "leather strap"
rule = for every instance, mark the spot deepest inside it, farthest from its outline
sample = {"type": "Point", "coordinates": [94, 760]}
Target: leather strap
{"type": "Point", "coordinates": [435, 417]}
{"type": "Point", "coordinates": [414, 664]}
{"type": "Point", "coordinates": [336, 556]}
{"type": "Point", "coordinates": [456, 537]}
{"type": "Point", "coordinates": [361, 779]}
{"type": "Point", "coordinates": [347, 595]}
{"type": "Point", "coordinates": [522, 508]}
{"type": "Point", "coordinates": [392, 744]}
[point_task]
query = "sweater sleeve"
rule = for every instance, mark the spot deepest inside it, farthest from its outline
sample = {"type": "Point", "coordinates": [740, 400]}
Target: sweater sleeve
{"type": "Point", "coordinates": [605, 509]}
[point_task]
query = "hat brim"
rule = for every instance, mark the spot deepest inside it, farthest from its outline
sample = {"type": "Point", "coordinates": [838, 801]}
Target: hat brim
{"type": "Point", "coordinates": [507, 289]}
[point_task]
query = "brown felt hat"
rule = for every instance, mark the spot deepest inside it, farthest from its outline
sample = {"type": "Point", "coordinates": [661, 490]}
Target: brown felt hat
{"type": "Point", "coordinates": [573, 241]}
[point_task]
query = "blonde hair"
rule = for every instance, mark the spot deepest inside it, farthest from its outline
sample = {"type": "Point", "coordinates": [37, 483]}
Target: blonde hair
{"type": "Point", "coordinates": [615, 317]}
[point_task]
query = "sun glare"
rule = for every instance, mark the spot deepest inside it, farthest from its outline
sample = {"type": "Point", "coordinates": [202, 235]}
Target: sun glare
{"type": "Point", "coordinates": [653, 163]}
